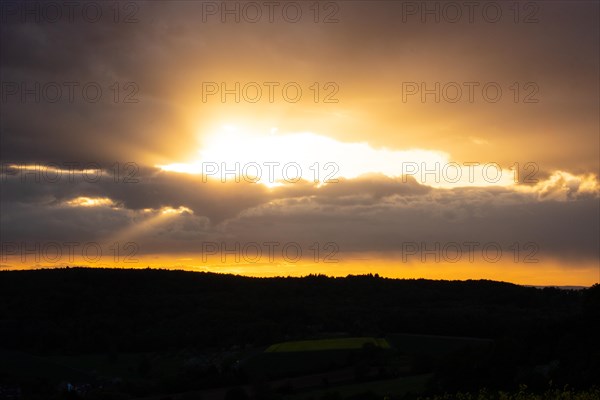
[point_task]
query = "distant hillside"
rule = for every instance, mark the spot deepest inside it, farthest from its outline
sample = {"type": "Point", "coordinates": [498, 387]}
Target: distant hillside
{"type": "Point", "coordinates": [162, 317]}
{"type": "Point", "coordinates": [77, 309]}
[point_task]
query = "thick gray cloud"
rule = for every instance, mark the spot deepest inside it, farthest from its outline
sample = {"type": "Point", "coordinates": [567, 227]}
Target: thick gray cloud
{"type": "Point", "coordinates": [367, 214]}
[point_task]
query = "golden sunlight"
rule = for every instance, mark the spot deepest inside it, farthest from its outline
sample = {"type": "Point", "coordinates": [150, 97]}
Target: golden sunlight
{"type": "Point", "coordinates": [91, 202]}
{"type": "Point", "coordinates": [272, 158]}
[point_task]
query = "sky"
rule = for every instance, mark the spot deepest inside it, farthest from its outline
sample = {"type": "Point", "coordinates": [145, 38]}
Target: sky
{"type": "Point", "coordinates": [443, 140]}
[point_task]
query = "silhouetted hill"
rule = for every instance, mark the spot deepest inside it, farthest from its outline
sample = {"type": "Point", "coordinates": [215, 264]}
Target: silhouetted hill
{"type": "Point", "coordinates": [104, 311]}
{"type": "Point", "coordinates": [81, 309]}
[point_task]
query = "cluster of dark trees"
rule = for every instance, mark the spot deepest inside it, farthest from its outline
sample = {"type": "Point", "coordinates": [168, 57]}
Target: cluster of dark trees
{"type": "Point", "coordinates": [80, 310]}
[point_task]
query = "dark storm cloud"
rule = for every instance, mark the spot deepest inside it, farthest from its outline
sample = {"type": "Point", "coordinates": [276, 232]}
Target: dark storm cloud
{"type": "Point", "coordinates": [78, 124]}
{"type": "Point", "coordinates": [140, 189]}
{"type": "Point", "coordinates": [560, 229]}
{"type": "Point", "coordinates": [367, 214]}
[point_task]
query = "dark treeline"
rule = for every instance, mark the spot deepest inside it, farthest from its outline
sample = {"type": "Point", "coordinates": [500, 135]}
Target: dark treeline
{"type": "Point", "coordinates": [79, 310]}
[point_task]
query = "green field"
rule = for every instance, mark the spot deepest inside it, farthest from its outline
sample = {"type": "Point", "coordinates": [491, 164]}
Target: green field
{"type": "Point", "coordinates": [312, 356]}
{"type": "Point", "coordinates": [410, 353]}
{"type": "Point", "coordinates": [328, 344]}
